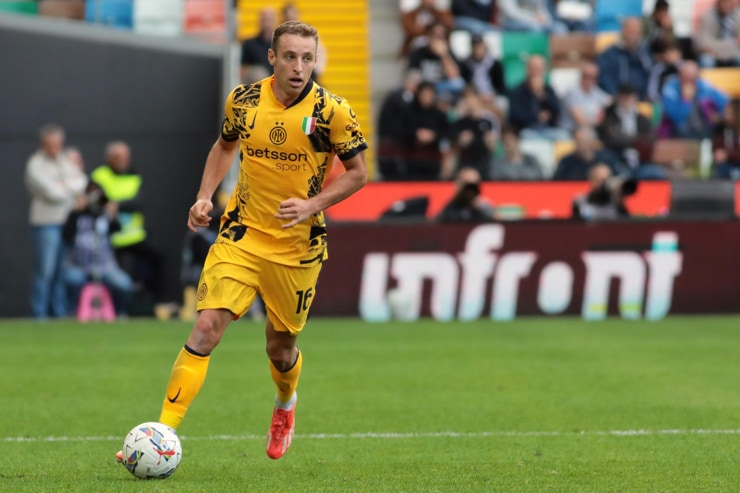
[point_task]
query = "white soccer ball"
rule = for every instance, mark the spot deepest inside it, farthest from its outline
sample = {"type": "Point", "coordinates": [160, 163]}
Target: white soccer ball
{"type": "Point", "coordinates": [151, 450]}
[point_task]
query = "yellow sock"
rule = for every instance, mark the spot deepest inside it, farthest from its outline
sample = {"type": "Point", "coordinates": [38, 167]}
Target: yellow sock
{"type": "Point", "coordinates": [186, 379]}
{"type": "Point", "coordinates": [287, 381]}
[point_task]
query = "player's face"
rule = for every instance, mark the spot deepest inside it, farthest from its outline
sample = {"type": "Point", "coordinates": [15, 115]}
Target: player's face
{"type": "Point", "coordinates": [293, 61]}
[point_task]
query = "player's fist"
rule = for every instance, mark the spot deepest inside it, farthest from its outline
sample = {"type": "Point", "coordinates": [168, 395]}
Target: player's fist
{"type": "Point", "coordinates": [200, 214]}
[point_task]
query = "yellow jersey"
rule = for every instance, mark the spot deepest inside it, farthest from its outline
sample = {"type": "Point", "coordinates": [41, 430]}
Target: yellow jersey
{"type": "Point", "coordinates": [284, 152]}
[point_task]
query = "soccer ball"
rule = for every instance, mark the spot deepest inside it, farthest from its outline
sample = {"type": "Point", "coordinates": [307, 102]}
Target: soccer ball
{"type": "Point", "coordinates": [151, 450]}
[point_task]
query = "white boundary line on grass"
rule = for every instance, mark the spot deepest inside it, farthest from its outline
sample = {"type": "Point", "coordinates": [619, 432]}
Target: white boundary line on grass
{"type": "Point", "coordinates": [440, 434]}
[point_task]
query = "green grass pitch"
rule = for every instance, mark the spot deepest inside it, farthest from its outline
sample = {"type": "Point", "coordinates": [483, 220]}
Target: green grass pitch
{"type": "Point", "coordinates": [533, 405]}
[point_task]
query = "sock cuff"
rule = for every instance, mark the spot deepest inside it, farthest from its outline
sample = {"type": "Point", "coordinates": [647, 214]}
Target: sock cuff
{"type": "Point", "coordinates": [194, 352]}
{"type": "Point", "coordinates": [297, 358]}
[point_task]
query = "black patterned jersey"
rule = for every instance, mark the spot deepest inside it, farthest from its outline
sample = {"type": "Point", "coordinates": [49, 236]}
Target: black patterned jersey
{"type": "Point", "coordinates": [284, 152]}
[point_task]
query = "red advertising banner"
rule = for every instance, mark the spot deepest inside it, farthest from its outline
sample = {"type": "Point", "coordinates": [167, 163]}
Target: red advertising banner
{"type": "Point", "coordinates": [538, 200]}
{"type": "Point", "coordinates": [633, 269]}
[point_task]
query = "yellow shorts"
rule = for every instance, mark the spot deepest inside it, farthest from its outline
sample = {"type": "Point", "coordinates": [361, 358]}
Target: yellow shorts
{"type": "Point", "coordinates": [232, 277]}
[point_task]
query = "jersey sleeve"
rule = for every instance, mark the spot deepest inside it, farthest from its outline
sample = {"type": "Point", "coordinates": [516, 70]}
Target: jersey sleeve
{"type": "Point", "coordinates": [229, 127]}
{"type": "Point", "coordinates": [346, 136]}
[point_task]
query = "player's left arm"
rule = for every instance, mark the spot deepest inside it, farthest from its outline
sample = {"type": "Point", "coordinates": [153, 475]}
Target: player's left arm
{"type": "Point", "coordinates": [296, 210]}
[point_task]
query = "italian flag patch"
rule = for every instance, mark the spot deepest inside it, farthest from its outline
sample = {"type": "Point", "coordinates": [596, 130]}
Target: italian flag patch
{"type": "Point", "coordinates": [309, 125]}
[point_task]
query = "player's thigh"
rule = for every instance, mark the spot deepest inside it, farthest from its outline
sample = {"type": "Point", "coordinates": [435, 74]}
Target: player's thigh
{"type": "Point", "coordinates": [228, 281]}
{"type": "Point", "coordinates": [288, 293]}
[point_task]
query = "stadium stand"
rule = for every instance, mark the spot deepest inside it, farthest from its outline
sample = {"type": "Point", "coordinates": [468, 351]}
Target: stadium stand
{"type": "Point", "coordinates": [112, 13]}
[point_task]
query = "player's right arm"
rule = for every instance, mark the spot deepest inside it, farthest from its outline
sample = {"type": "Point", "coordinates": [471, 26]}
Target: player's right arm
{"type": "Point", "coordinates": [217, 165]}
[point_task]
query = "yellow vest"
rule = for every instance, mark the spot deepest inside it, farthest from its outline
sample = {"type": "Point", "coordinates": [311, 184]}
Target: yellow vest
{"type": "Point", "coordinates": [119, 188]}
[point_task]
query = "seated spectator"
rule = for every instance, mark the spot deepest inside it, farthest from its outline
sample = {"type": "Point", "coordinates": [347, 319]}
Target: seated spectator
{"type": "Point", "coordinates": [254, 63]}
{"type": "Point", "coordinates": [528, 15]}
{"type": "Point", "coordinates": [291, 13]}
{"type": "Point", "coordinates": [626, 62]}
{"type": "Point", "coordinates": [91, 258]}
{"type": "Point", "coordinates": [425, 138]}
{"type": "Point", "coordinates": [667, 57]}
{"type": "Point", "coordinates": [467, 205]}
{"type": "Point", "coordinates": [586, 102]}
{"type": "Point", "coordinates": [513, 164]}
{"type": "Point", "coordinates": [390, 127]}
{"type": "Point", "coordinates": [474, 133]}
{"type": "Point", "coordinates": [576, 15]}
{"type": "Point", "coordinates": [658, 26]}
{"type": "Point", "coordinates": [416, 21]}
{"type": "Point", "coordinates": [691, 106]}
{"type": "Point", "coordinates": [485, 73]}
{"type": "Point", "coordinates": [577, 165]}
{"type": "Point", "coordinates": [476, 16]}
{"type": "Point", "coordinates": [625, 130]}
{"type": "Point", "coordinates": [534, 107]}
{"type": "Point", "coordinates": [437, 64]}
{"type": "Point", "coordinates": [605, 197]}
{"type": "Point", "coordinates": [726, 143]}
{"type": "Point", "coordinates": [719, 32]}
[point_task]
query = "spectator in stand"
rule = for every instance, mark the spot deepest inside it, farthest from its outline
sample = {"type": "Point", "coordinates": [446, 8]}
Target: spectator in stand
{"type": "Point", "coordinates": [513, 164]}
{"type": "Point", "coordinates": [416, 21]}
{"type": "Point", "coordinates": [437, 63]}
{"type": "Point", "coordinates": [534, 107]}
{"type": "Point", "coordinates": [474, 133]}
{"type": "Point", "coordinates": [718, 40]}
{"type": "Point", "coordinates": [476, 16]}
{"type": "Point", "coordinates": [626, 62]}
{"type": "Point", "coordinates": [625, 131]}
{"type": "Point", "coordinates": [91, 257]}
{"type": "Point", "coordinates": [528, 15]}
{"type": "Point", "coordinates": [467, 205]}
{"type": "Point", "coordinates": [397, 102]}
{"type": "Point", "coordinates": [691, 106]}
{"type": "Point", "coordinates": [425, 133]}
{"type": "Point", "coordinates": [135, 252]}
{"type": "Point", "coordinates": [291, 13]}
{"type": "Point", "coordinates": [586, 102]}
{"type": "Point", "coordinates": [667, 57]}
{"type": "Point", "coordinates": [54, 182]}
{"type": "Point", "coordinates": [254, 63]}
{"type": "Point", "coordinates": [659, 25]}
{"type": "Point", "coordinates": [486, 74]}
{"type": "Point", "coordinates": [577, 165]}
{"type": "Point", "coordinates": [726, 143]}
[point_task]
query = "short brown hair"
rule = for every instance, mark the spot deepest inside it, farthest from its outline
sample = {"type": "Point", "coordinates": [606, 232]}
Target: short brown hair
{"type": "Point", "coordinates": [294, 27]}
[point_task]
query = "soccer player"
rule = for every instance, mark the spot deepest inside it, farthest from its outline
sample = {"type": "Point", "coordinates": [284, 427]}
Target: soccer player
{"type": "Point", "coordinates": [272, 240]}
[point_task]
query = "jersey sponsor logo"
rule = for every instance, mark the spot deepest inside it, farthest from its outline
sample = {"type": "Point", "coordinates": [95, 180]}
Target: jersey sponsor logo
{"type": "Point", "coordinates": [278, 135]}
{"type": "Point", "coordinates": [267, 153]}
{"type": "Point", "coordinates": [308, 125]}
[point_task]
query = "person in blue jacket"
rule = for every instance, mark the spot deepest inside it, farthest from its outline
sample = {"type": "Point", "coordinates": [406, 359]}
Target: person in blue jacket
{"type": "Point", "coordinates": [691, 106]}
{"type": "Point", "coordinates": [626, 62]}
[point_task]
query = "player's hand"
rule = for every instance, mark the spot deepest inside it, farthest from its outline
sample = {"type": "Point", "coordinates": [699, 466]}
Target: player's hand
{"type": "Point", "coordinates": [199, 215]}
{"type": "Point", "coordinates": [294, 211]}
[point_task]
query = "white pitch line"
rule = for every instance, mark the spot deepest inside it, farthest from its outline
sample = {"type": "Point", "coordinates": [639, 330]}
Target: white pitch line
{"type": "Point", "coordinates": [440, 434]}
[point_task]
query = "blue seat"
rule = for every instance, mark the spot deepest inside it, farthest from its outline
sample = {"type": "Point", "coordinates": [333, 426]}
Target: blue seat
{"type": "Point", "coordinates": [113, 13]}
{"type": "Point", "coordinates": [609, 15]}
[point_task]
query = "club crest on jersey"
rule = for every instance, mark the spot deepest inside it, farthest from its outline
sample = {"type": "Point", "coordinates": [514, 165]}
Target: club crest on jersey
{"type": "Point", "coordinates": [309, 125]}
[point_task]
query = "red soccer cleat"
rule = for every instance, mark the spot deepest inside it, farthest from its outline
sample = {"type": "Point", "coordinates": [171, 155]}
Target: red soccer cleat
{"type": "Point", "coordinates": [281, 432]}
{"type": "Point", "coordinates": [119, 456]}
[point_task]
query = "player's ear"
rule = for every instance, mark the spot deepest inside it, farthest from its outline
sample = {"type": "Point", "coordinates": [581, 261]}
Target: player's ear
{"type": "Point", "coordinates": [271, 56]}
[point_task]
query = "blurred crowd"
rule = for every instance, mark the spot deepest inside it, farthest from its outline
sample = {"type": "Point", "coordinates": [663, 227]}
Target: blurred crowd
{"type": "Point", "coordinates": [534, 90]}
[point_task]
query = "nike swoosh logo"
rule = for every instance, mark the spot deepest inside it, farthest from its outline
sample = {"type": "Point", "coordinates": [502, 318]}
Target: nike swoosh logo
{"type": "Point", "coordinates": [173, 399]}
{"type": "Point", "coordinates": [251, 127]}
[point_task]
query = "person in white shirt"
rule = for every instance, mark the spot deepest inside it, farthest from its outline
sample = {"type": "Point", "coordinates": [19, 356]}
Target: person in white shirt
{"type": "Point", "coordinates": [54, 182]}
{"type": "Point", "coordinates": [585, 104]}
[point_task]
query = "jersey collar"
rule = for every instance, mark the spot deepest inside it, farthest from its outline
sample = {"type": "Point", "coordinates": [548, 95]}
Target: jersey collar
{"type": "Point", "coordinates": [301, 97]}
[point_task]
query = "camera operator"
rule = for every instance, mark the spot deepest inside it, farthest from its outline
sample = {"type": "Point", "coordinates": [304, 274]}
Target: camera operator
{"type": "Point", "coordinates": [467, 205]}
{"type": "Point", "coordinates": [605, 198]}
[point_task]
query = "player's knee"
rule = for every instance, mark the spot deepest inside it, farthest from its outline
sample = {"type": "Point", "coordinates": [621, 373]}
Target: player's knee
{"type": "Point", "coordinates": [206, 335]}
{"type": "Point", "coordinates": [281, 354]}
